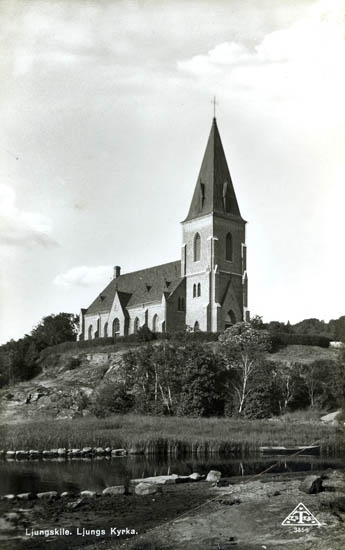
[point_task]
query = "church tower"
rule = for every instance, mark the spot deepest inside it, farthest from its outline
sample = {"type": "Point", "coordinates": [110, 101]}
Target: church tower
{"type": "Point", "coordinates": [213, 250]}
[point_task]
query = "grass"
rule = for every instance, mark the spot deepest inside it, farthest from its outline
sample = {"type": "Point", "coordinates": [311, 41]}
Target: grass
{"type": "Point", "coordinates": [169, 433]}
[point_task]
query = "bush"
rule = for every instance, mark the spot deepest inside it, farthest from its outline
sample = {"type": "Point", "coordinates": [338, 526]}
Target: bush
{"type": "Point", "coordinates": [279, 340]}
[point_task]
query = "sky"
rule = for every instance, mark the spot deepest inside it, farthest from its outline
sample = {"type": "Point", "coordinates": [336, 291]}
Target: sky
{"type": "Point", "coordinates": [105, 111]}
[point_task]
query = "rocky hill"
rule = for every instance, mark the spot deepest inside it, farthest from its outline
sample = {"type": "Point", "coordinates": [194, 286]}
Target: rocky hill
{"type": "Point", "coordinates": [68, 380]}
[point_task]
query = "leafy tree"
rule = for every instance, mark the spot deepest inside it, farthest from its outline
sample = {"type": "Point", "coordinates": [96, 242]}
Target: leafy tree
{"type": "Point", "coordinates": [243, 348]}
{"type": "Point", "coordinates": [55, 329]}
{"type": "Point", "coordinates": [203, 381]}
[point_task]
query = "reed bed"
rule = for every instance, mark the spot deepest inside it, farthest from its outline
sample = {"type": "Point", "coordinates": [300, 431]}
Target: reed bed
{"type": "Point", "coordinates": [171, 434]}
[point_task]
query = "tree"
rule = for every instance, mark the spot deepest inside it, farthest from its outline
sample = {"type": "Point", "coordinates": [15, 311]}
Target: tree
{"type": "Point", "coordinates": [203, 380]}
{"type": "Point", "coordinates": [55, 329]}
{"type": "Point", "coordinates": [243, 347]}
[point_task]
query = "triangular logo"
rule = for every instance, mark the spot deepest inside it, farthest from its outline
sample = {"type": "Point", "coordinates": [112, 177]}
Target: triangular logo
{"type": "Point", "coordinates": [301, 516]}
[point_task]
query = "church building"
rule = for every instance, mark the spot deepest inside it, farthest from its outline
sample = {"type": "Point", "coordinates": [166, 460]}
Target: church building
{"type": "Point", "coordinates": [206, 289]}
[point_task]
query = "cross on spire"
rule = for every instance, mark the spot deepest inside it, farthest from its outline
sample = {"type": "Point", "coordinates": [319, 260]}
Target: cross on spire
{"type": "Point", "coordinates": [215, 103]}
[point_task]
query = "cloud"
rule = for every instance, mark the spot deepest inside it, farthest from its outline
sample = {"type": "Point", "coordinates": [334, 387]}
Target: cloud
{"type": "Point", "coordinates": [84, 276]}
{"type": "Point", "coordinates": [300, 66]}
{"type": "Point", "coordinates": [19, 228]}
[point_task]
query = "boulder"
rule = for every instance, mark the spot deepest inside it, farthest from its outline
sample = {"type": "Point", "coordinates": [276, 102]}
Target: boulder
{"type": "Point", "coordinates": [156, 480]}
{"type": "Point", "coordinates": [48, 495]}
{"type": "Point", "coordinates": [311, 485]}
{"type": "Point", "coordinates": [146, 489]}
{"type": "Point", "coordinates": [99, 451]}
{"type": "Point", "coordinates": [10, 454]}
{"type": "Point", "coordinates": [195, 476]}
{"type": "Point", "coordinates": [213, 475]}
{"type": "Point", "coordinates": [61, 452]}
{"type": "Point", "coordinates": [9, 497]}
{"type": "Point", "coordinates": [34, 453]}
{"type": "Point", "coordinates": [65, 494]}
{"type": "Point", "coordinates": [118, 452]}
{"type": "Point", "coordinates": [87, 451]}
{"type": "Point", "coordinates": [22, 454]}
{"type": "Point", "coordinates": [115, 490]}
{"type": "Point", "coordinates": [88, 494]}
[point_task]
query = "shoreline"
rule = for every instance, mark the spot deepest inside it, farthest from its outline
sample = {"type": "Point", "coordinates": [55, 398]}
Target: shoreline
{"type": "Point", "coordinates": [193, 515]}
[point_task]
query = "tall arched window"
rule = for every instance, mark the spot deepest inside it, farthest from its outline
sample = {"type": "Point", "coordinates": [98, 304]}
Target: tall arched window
{"type": "Point", "coordinates": [90, 332]}
{"type": "Point", "coordinates": [116, 327]}
{"type": "Point", "coordinates": [197, 247]}
{"type": "Point", "coordinates": [97, 333]}
{"type": "Point", "coordinates": [196, 326]}
{"type": "Point", "coordinates": [194, 290]}
{"type": "Point", "coordinates": [105, 330]}
{"type": "Point", "coordinates": [155, 323]}
{"type": "Point", "coordinates": [228, 247]}
{"type": "Point", "coordinates": [199, 289]}
{"type": "Point", "coordinates": [136, 325]}
{"type": "Point", "coordinates": [147, 317]}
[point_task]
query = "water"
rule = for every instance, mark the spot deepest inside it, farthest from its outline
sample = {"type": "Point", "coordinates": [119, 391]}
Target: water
{"type": "Point", "coordinates": [96, 474]}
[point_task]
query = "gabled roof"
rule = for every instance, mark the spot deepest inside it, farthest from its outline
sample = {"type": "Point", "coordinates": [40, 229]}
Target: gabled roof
{"type": "Point", "coordinates": [214, 191]}
{"type": "Point", "coordinates": [138, 287]}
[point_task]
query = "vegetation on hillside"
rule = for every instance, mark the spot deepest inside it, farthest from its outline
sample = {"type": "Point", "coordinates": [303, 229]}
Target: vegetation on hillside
{"type": "Point", "coordinates": [19, 359]}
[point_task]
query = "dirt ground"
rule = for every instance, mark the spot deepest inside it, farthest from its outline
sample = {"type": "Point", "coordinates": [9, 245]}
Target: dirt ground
{"type": "Point", "coordinates": [246, 515]}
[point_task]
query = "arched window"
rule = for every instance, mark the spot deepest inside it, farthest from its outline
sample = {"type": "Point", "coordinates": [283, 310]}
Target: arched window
{"type": "Point", "coordinates": [197, 247]}
{"type": "Point", "coordinates": [163, 326]}
{"type": "Point", "coordinates": [90, 332]}
{"type": "Point", "coordinates": [182, 304]}
{"type": "Point", "coordinates": [199, 289]}
{"type": "Point", "coordinates": [194, 290]}
{"type": "Point", "coordinates": [97, 333]}
{"type": "Point", "coordinates": [228, 247]}
{"type": "Point", "coordinates": [136, 325]}
{"type": "Point", "coordinates": [105, 330]}
{"type": "Point", "coordinates": [155, 323]}
{"type": "Point", "coordinates": [196, 326]}
{"type": "Point", "coordinates": [147, 317]}
{"type": "Point", "coordinates": [116, 327]}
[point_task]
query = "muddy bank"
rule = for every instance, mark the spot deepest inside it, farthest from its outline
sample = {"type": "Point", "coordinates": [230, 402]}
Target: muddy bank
{"type": "Point", "coordinates": [247, 514]}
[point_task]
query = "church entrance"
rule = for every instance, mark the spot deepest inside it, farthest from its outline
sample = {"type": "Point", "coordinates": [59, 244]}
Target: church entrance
{"type": "Point", "coordinates": [230, 319]}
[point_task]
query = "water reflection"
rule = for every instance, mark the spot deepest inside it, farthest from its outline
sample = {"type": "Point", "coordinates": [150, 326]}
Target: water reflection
{"type": "Point", "coordinates": [75, 475]}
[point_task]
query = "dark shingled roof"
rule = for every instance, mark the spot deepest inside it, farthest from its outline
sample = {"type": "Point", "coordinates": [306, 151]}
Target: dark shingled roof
{"type": "Point", "coordinates": [214, 185]}
{"type": "Point", "coordinates": [138, 287]}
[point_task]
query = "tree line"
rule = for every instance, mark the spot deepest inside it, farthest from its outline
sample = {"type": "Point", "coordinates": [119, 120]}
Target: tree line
{"type": "Point", "coordinates": [234, 376]}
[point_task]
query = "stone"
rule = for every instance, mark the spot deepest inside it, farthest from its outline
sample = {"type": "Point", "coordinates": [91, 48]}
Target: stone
{"type": "Point", "coordinates": [65, 494]}
{"type": "Point", "coordinates": [10, 454]}
{"type": "Point", "coordinates": [99, 451]}
{"type": "Point", "coordinates": [213, 475]}
{"type": "Point", "coordinates": [195, 476]}
{"type": "Point", "coordinates": [22, 454]}
{"type": "Point", "coordinates": [26, 496]}
{"type": "Point", "coordinates": [75, 452]}
{"type": "Point", "coordinates": [87, 450]}
{"type": "Point", "coordinates": [115, 490]}
{"type": "Point", "coordinates": [49, 495]}
{"type": "Point", "coordinates": [9, 497]}
{"type": "Point", "coordinates": [13, 517]}
{"type": "Point", "coordinates": [107, 450]}
{"type": "Point", "coordinates": [88, 494]}
{"type": "Point", "coordinates": [333, 485]}
{"type": "Point", "coordinates": [34, 453]}
{"type": "Point", "coordinates": [156, 480]}
{"type": "Point", "coordinates": [118, 452]}
{"type": "Point", "coordinates": [76, 504]}
{"type": "Point", "coordinates": [146, 489]}
{"type": "Point", "coordinates": [311, 485]}
{"type": "Point", "coordinates": [61, 452]}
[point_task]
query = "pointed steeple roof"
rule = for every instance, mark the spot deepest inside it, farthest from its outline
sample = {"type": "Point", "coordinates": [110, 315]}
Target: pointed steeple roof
{"type": "Point", "coordinates": [214, 191]}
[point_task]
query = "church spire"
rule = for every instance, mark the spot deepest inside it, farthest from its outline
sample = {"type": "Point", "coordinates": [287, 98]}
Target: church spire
{"type": "Point", "coordinates": [214, 191]}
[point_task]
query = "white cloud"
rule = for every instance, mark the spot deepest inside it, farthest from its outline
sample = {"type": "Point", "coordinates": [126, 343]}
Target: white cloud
{"type": "Point", "coordinates": [84, 276]}
{"type": "Point", "coordinates": [300, 65]}
{"type": "Point", "coordinates": [20, 228]}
